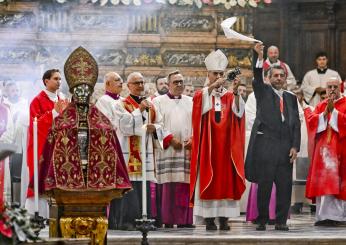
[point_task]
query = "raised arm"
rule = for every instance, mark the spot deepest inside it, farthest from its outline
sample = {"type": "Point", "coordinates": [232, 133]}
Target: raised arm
{"type": "Point", "coordinates": [258, 83]}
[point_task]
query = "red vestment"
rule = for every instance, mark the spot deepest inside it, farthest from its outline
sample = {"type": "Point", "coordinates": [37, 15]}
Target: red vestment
{"type": "Point", "coordinates": [61, 166]}
{"type": "Point", "coordinates": [41, 107]}
{"type": "Point", "coordinates": [217, 151]}
{"type": "Point", "coordinates": [327, 173]}
{"type": "Point", "coordinates": [310, 130]}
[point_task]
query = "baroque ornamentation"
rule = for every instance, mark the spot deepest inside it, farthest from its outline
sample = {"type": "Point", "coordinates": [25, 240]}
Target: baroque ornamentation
{"type": "Point", "coordinates": [113, 57]}
{"type": "Point", "coordinates": [239, 57]}
{"type": "Point", "coordinates": [189, 23]}
{"type": "Point", "coordinates": [198, 3]}
{"type": "Point", "coordinates": [90, 21]}
{"type": "Point", "coordinates": [13, 20]}
{"type": "Point", "coordinates": [16, 55]}
{"type": "Point", "coordinates": [178, 58]}
{"type": "Point", "coordinates": [85, 227]}
{"type": "Point", "coordinates": [143, 57]}
{"type": "Point", "coordinates": [53, 55]}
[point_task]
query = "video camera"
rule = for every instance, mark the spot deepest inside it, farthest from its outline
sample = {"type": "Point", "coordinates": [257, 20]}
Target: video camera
{"type": "Point", "coordinates": [232, 74]}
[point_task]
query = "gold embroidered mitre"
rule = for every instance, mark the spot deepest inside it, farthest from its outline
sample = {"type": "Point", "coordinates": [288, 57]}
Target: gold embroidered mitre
{"type": "Point", "coordinates": [80, 68]}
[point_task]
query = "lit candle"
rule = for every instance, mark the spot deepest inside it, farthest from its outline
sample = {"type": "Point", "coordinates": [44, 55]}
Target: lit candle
{"type": "Point", "coordinates": [35, 165]}
{"type": "Point", "coordinates": [144, 174]}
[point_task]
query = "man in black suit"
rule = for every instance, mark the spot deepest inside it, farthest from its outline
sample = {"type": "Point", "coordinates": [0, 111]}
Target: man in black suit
{"type": "Point", "coordinates": [274, 143]}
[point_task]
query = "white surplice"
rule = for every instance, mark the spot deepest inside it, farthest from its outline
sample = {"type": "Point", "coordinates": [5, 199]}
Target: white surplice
{"type": "Point", "coordinates": [313, 80]}
{"type": "Point", "coordinates": [128, 124]}
{"type": "Point", "coordinates": [176, 115]}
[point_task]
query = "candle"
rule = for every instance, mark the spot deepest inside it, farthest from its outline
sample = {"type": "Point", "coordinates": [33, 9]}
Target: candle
{"type": "Point", "coordinates": [35, 165]}
{"type": "Point", "coordinates": [144, 174]}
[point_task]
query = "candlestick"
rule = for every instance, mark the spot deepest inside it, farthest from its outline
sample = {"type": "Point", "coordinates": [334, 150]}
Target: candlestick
{"type": "Point", "coordinates": [144, 173]}
{"type": "Point", "coordinates": [35, 164]}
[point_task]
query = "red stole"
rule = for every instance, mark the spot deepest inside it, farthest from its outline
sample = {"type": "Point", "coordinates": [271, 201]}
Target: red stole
{"type": "Point", "coordinates": [134, 165]}
{"type": "Point", "coordinates": [327, 173]}
{"type": "Point", "coordinates": [266, 66]}
{"type": "Point", "coordinates": [217, 152]}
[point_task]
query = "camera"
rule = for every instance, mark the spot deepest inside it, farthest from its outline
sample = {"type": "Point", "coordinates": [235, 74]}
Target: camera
{"type": "Point", "coordinates": [232, 74]}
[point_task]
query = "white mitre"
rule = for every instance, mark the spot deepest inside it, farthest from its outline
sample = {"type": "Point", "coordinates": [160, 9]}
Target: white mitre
{"type": "Point", "coordinates": [216, 61]}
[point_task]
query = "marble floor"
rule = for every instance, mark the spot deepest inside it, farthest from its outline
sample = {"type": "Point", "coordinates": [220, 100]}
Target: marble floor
{"type": "Point", "coordinates": [302, 231]}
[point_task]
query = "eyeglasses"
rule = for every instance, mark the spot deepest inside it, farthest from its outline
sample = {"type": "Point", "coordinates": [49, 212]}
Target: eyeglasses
{"type": "Point", "coordinates": [333, 86]}
{"type": "Point", "coordinates": [176, 82]}
{"type": "Point", "coordinates": [137, 83]}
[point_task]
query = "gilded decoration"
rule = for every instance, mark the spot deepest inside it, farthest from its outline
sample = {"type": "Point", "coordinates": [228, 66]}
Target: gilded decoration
{"type": "Point", "coordinates": [196, 3]}
{"type": "Point", "coordinates": [85, 227]}
{"type": "Point", "coordinates": [239, 57]}
{"type": "Point", "coordinates": [144, 57]}
{"type": "Point", "coordinates": [63, 154]}
{"type": "Point", "coordinates": [148, 37]}
{"type": "Point", "coordinates": [81, 68]}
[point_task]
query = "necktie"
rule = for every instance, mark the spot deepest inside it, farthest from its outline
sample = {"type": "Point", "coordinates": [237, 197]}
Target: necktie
{"type": "Point", "coordinates": [281, 105]}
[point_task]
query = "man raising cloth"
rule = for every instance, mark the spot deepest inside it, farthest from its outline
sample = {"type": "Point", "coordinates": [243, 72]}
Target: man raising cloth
{"type": "Point", "coordinates": [217, 158]}
{"type": "Point", "coordinates": [327, 174]}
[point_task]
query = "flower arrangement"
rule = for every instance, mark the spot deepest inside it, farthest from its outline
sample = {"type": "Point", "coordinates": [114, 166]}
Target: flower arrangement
{"type": "Point", "coordinates": [16, 225]}
{"type": "Point", "coordinates": [198, 3]}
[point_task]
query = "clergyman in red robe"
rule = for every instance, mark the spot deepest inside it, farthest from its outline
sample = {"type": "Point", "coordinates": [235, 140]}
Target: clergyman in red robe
{"type": "Point", "coordinates": [217, 159]}
{"type": "Point", "coordinates": [327, 174]}
{"type": "Point", "coordinates": [44, 107]}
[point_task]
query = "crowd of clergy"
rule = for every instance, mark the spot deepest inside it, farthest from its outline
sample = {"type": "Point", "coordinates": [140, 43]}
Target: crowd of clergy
{"type": "Point", "coordinates": [211, 153]}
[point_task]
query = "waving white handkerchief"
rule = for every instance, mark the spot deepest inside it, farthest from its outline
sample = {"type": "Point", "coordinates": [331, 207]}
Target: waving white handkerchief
{"type": "Point", "coordinates": [231, 34]}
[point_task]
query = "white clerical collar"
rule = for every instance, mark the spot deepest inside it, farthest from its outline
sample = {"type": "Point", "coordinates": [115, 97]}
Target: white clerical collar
{"type": "Point", "coordinates": [52, 96]}
{"type": "Point", "coordinates": [219, 92]}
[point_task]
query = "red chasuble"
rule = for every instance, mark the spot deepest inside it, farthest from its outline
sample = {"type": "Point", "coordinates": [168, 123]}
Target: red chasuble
{"type": "Point", "coordinates": [41, 107]}
{"type": "Point", "coordinates": [61, 167]}
{"type": "Point", "coordinates": [217, 151]}
{"type": "Point", "coordinates": [327, 173]}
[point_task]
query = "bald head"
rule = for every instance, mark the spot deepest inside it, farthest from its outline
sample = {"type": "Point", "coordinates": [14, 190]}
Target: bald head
{"type": "Point", "coordinates": [113, 82]}
{"type": "Point", "coordinates": [273, 54]}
